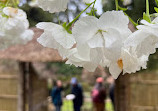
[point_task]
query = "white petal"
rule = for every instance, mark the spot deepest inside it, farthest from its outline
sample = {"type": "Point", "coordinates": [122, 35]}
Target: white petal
{"type": "Point", "coordinates": [96, 55]}
{"type": "Point", "coordinates": [63, 37]}
{"type": "Point", "coordinates": [155, 21]}
{"type": "Point", "coordinates": [63, 52]}
{"type": "Point", "coordinates": [55, 36]}
{"type": "Point", "coordinates": [96, 41]}
{"type": "Point", "coordinates": [53, 5]}
{"type": "Point", "coordinates": [99, 7]}
{"type": "Point", "coordinates": [46, 25]}
{"type": "Point", "coordinates": [130, 62]}
{"type": "Point", "coordinates": [114, 70]}
{"type": "Point", "coordinates": [81, 58]}
{"type": "Point", "coordinates": [114, 19]}
{"type": "Point", "coordinates": [14, 28]}
{"type": "Point", "coordinates": [27, 35]}
{"type": "Point", "coordinates": [91, 67]}
{"type": "Point", "coordinates": [58, 33]}
{"type": "Point", "coordinates": [84, 51]}
{"type": "Point", "coordinates": [9, 11]}
{"type": "Point", "coordinates": [113, 44]}
{"type": "Point", "coordinates": [145, 22]}
{"type": "Point", "coordinates": [47, 40]}
{"type": "Point", "coordinates": [143, 61]}
{"type": "Point", "coordinates": [143, 42]}
{"type": "Point", "coordinates": [152, 28]}
{"type": "Point", "coordinates": [84, 29]}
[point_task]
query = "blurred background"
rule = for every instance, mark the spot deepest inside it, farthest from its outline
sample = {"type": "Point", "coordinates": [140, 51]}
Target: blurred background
{"type": "Point", "coordinates": [28, 73]}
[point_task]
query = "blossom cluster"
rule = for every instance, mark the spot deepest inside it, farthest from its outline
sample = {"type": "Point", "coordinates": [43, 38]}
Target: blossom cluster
{"type": "Point", "coordinates": [87, 42]}
{"type": "Point", "coordinates": [106, 42]}
{"type": "Point", "coordinates": [55, 5]}
{"type": "Point", "coordinates": [14, 27]}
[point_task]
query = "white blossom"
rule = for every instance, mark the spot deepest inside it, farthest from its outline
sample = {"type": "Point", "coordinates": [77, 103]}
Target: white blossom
{"type": "Point", "coordinates": [136, 49]}
{"type": "Point", "coordinates": [84, 56]}
{"type": "Point", "coordinates": [144, 41]}
{"type": "Point", "coordinates": [55, 36]}
{"type": "Point", "coordinates": [53, 5]}
{"type": "Point", "coordinates": [129, 62]}
{"type": "Point", "coordinates": [100, 41]}
{"type": "Point", "coordinates": [14, 28]}
{"type": "Point", "coordinates": [106, 41]}
{"type": "Point", "coordinates": [107, 33]}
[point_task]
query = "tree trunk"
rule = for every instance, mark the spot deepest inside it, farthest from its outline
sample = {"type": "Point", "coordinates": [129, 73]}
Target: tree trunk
{"type": "Point", "coordinates": [30, 87]}
{"type": "Point", "coordinates": [122, 93]}
{"type": "Point", "coordinates": [25, 87]}
{"type": "Point", "coordinates": [21, 87]}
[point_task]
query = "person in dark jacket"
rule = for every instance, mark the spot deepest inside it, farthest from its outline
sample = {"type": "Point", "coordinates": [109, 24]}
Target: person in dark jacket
{"type": "Point", "coordinates": [99, 95]}
{"type": "Point", "coordinates": [78, 92]}
{"type": "Point", "coordinates": [56, 95]}
{"type": "Point", "coordinates": [112, 95]}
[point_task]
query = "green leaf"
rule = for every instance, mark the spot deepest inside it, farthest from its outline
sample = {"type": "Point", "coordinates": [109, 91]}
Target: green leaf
{"type": "Point", "coordinates": [64, 24]}
{"type": "Point", "coordinates": [123, 9]}
{"type": "Point", "coordinates": [87, 4]}
{"type": "Point", "coordinates": [67, 28]}
{"type": "Point", "coordinates": [146, 17]}
{"type": "Point", "coordinates": [90, 14]}
{"type": "Point", "coordinates": [139, 20]}
{"type": "Point", "coordinates": [156, 9]}
{"type": "Point", "coordinates": [156, 2]}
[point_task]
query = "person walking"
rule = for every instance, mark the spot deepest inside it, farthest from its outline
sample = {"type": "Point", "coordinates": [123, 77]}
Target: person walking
{"type": "Point", "coordinates": [99, 95]}
{"type": "Point", "coordinates": [56, 95]}
{"type": "Point", "coordinates": [78, 93]}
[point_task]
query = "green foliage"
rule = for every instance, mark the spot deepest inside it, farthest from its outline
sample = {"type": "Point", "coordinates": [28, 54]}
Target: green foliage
{"type": "Point", "coordinates": [11, 3]}
{"type": "Point", "coordinates": [146, 17]}
{"type": "Point", "coordinates": [64, 69]}
{"type": "Point", "coordinates": [123, 9]}
{"type": "Point", "coordinates": [156, 9]}
{"type": "Point", "coordinates": [86, 87]}
{"type": "Point", "coordinates": [138, 7]}
{"type": "Point", "coordinates": [68, 106]}
{"type": "Point", "coordinates": [156, 2]}
{"type": "Point", "coordinates": [110, 5]}
{"type": "Point", "coordinates": [135, 10]}
{"type": "Point", "coordinates": [36, 15]}
{"type": "Point", "coordinates": [153, 62]}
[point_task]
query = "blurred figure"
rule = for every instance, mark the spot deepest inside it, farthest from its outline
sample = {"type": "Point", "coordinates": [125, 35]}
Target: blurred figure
{"type": "Point", "coordinates": [111, 81]}
{"type": "Point", "coordinates": [56, 95]}
{"type": "Point", "coordinates": [111, 94]}
{"type": "Point", "coordinates": [78, 92]}
{"type": "Point", "coordinates": [99, 95]}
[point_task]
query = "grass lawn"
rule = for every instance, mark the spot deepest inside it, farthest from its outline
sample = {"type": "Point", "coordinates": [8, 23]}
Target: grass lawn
{"type": "Point", "coordinates": [68, 106]}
